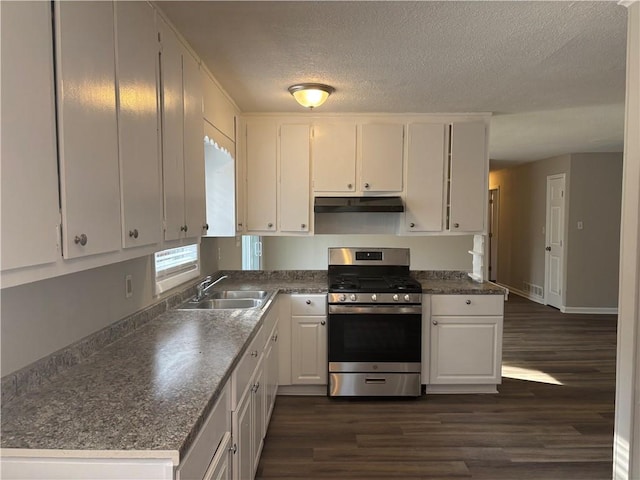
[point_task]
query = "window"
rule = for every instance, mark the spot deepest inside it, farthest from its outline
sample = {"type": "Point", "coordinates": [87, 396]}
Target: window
{"type": "Point", "coordinates": [175, 266]}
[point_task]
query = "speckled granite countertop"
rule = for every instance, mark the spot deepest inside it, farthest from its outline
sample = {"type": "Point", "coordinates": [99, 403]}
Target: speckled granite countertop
{"type": "Point", "coordinates": [152, 389]}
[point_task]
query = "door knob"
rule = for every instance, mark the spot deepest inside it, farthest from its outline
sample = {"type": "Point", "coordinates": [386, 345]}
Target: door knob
{"type": "Point", "coordinates": [548, 249]}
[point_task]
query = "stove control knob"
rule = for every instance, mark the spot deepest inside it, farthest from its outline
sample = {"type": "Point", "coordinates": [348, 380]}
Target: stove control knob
{"type": "Point", "coordinates": [353, 297]}
{"type": "Point", "coordinates": [342, 298]}
{"type": "Point", "coordinates": [395, 297]}
{"type": "Point", "coordinates": [407, 298]}
{"type": "Point", "coordinates": [374, 297]}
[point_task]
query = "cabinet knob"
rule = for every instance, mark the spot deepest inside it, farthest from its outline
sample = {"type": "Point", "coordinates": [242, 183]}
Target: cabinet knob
{"type": "Point", "coordinates": [367, 186]}
{"type": "Point", "coordinates": [133, 233]}
{"type": "Point", "coordinates": [240, 224]}
{"type": "Point", "coordinates": [269, 224]}
{"type": "Point", "coordinates": [548, 249]}
{"type": "Point", "coordinates": [468, 302]}
{"type": "Point", "coordinates": [80, 239]}
{"type": "Point", "coordinates": [234, 448]}
{"type": "Point", "coordinates": [274, 338]}
{"type": "Point", "coordinates": [323, 322]}
{"type": "Point", "coordinates": [184, 228]}
{"type": "Point", "coordinates": [308, 302]}
{"type": "Point", "coordinates": [303, 225]}
{"type": "Point", "coordinates": [456, 225]}
{"type": "Point", "coordinates": [435, 322]}
{"type": "Point", "coordinates": [412, 225]}
{"type": "Point", "coordinates": [205, 227]}
{"type": "Point", "coordinates": [349, 186]}
{"type": "Point", "coordinates": [254, 353]}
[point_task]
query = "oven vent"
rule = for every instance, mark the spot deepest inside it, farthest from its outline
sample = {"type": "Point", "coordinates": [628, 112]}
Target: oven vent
{"type": "Point", "coordinates": [357, 204]}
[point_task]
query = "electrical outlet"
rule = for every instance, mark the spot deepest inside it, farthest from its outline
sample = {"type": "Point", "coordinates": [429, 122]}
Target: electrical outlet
{"type": "Point", "coordinates": [128, 286]}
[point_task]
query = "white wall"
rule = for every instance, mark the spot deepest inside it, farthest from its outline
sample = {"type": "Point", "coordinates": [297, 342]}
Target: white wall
{"type": "Point", "coordinates": [310, 253]}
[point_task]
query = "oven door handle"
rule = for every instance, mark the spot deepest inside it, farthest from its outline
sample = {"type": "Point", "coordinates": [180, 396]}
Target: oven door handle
{"type": "Point", "coordinates": [377, 309]}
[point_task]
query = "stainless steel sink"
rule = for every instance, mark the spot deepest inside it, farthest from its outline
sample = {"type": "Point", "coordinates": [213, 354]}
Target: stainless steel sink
{"type": "Point", "coordinates": [223, 304]}
{"type": "Point", "coordinates": [238, 294]}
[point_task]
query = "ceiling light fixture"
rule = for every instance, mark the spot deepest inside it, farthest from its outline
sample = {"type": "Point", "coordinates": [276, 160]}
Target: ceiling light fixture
{"type": "Point", "coordinates": [311, 95]}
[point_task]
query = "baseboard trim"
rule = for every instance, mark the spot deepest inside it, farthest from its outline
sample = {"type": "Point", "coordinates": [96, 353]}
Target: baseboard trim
{"type": "Point", "coordinates": [522, 293]}
{"type": "Point", "coordinates": [591, 310]}
{"type": "Point", "coordinates": [460, 389]}
{"type": "Point", "coordinates": [303, 390]}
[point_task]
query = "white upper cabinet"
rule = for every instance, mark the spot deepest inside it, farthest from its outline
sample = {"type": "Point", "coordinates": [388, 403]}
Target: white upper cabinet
{"type": "Point", "coordinates": [87, 128]}
{"type": "Point", "coordinates": [469, 186]}
{"type": "Point", "coordinates": [426, 160]}
{"type": "Point", "coordinates": [260, 151]}
{"type": "Point", "coordinates": [182, 139]}
{"type": "Point", "coordinates": [334, 157]}
{"type": "Point", "coordinates": [172, 132]}
{"type": "Point", "coordinates": [219, 111]}
{"type": "Point", "coordinates": [294, 178]}
{"type": "Point", "coordinates": [381, 157]}
{"type": "Point", "coordinates": [194, 175]}
{"type": "Point", "coordinates": [138, 123]}
{"type": "Point", "coordinates": [30, 209]}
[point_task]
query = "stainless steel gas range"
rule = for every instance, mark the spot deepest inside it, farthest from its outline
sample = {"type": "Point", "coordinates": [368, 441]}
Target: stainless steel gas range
{"type": "Point", "coordinates": [375, 323]}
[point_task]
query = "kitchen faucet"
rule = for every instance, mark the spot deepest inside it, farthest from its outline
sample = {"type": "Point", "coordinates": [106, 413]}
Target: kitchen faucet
{"type": "Point", "coordinates": [205, 285]}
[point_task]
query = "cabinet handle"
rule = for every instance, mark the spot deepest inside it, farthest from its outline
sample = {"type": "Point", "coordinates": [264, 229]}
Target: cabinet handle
{"type": "Point", "coordinates": [456, 225]}
{"type": "Point", "coordinates": [412, 225]}
{"type": "Point", "coordinates": [349, 186]}
{"type": "Point", "coordinates": [254, 353]}
{"type": "Point", "coordinates": [435, 322]}
{"type": "Point", "coordinates": [234, 449]}
{"type": "Point", "coordinates": [366, 185]}
{"type": "Point", "coordinates": [303, 226]}
{"type": "Point", "coordinates": [205, 227]}
{"type": "Point", "coordinates": [323, 323]}
{"type": "Point", "coordinates": [133, 233]}
{"type": "Point", "coordinates": [270, 225]}
{"type": "Point", "coordinates": [240, 224]}
{"type": "Point", "coordinates": [308, 302]}
{"type": "Point", "coordinates": [81, 239]}
{"type": "Point", "coordinates": [468, 302]}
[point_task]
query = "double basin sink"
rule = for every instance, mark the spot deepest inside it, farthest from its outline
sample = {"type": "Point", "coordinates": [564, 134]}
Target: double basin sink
{"type": "Point", "coordinates": [228, 299]}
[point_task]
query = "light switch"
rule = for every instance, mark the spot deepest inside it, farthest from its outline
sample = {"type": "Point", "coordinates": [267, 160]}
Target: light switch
{"type": "Point", "coordinates": [128, 286]}
{"type": "Point", "coordinates": [580, 226]}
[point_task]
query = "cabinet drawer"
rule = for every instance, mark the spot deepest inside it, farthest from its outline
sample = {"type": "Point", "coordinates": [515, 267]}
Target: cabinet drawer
{"type": "Point", "coordinates": [315, 304]}
{"type": "Point", "coordinates": [247, 365]}
{"type": "Point", "coordinates": [197, 460]}
{"type": "Point", "coordinates": [467, 304]}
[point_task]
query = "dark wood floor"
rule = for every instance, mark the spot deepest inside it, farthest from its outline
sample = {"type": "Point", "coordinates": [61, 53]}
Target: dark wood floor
{"type": "Point", "coordinates": [552, 421]}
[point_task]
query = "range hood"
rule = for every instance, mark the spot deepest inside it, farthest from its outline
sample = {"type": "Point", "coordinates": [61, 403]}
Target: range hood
{"type": "Point", "coordinates": [357, 204]}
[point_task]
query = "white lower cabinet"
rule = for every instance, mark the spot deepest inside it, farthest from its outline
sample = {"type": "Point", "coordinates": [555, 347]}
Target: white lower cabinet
{"type": "Point", "coordinates": [465, 339]}
{"type": "Point", "coordinates": [253, 397]}
{"type": "Point", "coordinates": [309, 340]}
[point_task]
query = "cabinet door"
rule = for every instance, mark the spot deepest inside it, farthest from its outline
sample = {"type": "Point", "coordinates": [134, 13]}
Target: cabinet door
{"type": "Point", "coordinates": [87, 128]}
{"type": "Point", "coordinates": [382, 154]}
{"type": "Point", "coordinates": [424, 201]}
{"type": "Point", "coordinates": [138, 123]}
{"type": "Point", "coordinates": [220, 467]}
{"type": "Point", "coordinates": [172, 132]}
{"type": "Point", "coordinates": [466, 349]}
{"type": "Point", "coordinates": [294, 178]}
{"type": "Point", "coordinates": [219, 111]}
{"type": "Point", "coordinates": [257, 418]}
{"type": "Point", "coordinates": [242, 428]}
{"type": "Point", "coordinates": [469, 187]}
{"type": "Point", "coordinates": [334, 157]}
{"type": "Point", "coordinates": [30, 208]}
{"type": "Point", "coordinates": [194, 177]}
{"type": "Point", "coordinates": [261, 176]}
{"type": "Point", "coordinates": [271, 374]}
{"type": "Point", "coordinates": [309, 350]}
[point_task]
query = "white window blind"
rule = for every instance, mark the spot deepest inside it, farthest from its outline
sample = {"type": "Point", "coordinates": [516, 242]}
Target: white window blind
{"type": "Point", "coordinates": [175, 266]}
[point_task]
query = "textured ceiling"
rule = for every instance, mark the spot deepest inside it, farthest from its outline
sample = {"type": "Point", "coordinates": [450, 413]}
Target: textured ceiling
{"type": "Point", "coordinates": [552, 73]}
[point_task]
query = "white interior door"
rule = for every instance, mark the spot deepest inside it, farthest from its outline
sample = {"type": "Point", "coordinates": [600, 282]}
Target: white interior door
{"type": "Point", "coordinates": [554, 248]}
{"type": "Point", "coordinates": [494, 195]}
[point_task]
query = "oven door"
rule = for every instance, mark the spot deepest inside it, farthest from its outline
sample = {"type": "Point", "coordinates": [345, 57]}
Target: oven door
{"type": "Point", "coordinates": [375, 338]}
